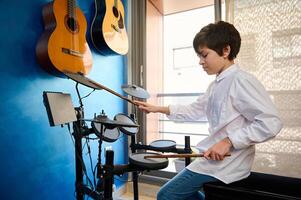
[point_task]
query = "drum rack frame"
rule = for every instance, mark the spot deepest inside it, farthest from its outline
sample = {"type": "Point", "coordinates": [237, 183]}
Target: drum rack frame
{"type": "Point", "coordinates": [103, 190]}
{"type": "Point", "coordinates": [136, 146]}
{"type": "Point", "coordinates": [105, 173]}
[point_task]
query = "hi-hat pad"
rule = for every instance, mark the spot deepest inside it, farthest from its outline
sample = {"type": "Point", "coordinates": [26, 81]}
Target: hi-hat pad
{"type": "Point", "coordinates": [135, 91]}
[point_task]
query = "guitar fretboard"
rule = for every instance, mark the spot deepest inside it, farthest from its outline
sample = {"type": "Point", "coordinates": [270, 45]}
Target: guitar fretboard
{"type": "Point", "coordinates": [71, 9]}
{"type": "Point", "coordinates": [115, 4]}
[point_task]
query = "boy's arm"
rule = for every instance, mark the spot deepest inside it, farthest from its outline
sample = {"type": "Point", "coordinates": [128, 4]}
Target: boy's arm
{"type": "Point", "coordinates": [253, 102]}
{"type": "Point", "coordinates": [149, 108]}
{"type": "Point", "coordinates": [194, 111]}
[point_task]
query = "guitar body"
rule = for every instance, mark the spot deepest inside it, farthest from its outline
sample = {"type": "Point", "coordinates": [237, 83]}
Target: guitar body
{"type": "Point", "coordinates": [108, 31]}
{"type": "Point", "coordinates": [63, 46]}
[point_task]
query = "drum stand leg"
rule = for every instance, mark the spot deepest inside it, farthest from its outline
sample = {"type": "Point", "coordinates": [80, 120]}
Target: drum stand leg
{"type": "Point", "coordinates": [187, 149]}
{"type": "Point", "coordinates": [135, 185]}
{"type": "Point", "coordinates": [77, 127]}
{"type": "Point", "coordinates": [81, 189]}
{"type": "Point", "coordinates": [135, 173]}
{"type": "Point", "coordinates": [108, 175]}
{"type": "Point", "coordinates": [100, 183]}
{"type": "Point", "coordinates": [78, 159]}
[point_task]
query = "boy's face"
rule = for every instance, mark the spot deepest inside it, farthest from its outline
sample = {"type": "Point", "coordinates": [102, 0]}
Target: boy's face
{"type": "Point", "coordinates": [212, 62]}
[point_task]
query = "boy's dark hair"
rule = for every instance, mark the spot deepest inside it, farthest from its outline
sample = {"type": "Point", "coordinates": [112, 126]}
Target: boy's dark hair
{"type": "Point", "coordinates": [217, 36]}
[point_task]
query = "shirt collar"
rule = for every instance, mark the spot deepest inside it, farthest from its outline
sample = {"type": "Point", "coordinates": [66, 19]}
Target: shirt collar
{"type": "Point", "coordinates": [227, 72]}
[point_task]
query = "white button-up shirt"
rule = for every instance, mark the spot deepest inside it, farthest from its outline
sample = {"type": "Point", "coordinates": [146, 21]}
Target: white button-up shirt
{"type": "Point", "coordinates": [236, 106]}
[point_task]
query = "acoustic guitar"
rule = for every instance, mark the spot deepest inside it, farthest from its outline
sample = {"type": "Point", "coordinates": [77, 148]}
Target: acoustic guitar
{"type": "Point", "coordinates": [63, 47]}
{"type": "Point", "coordinates": [108, 31]}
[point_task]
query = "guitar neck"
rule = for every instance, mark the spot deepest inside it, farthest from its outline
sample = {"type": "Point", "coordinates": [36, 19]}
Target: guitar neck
{"type": "Point", "coordinates": [71, 8]}
{"type": "Point", "coordinates": [115, 4]}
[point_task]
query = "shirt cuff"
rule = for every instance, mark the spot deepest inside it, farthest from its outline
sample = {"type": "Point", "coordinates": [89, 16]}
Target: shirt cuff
{"type": "Point", "coordinates": [237, 141]}
{"type": "Point", "coordinates": [171, 112]}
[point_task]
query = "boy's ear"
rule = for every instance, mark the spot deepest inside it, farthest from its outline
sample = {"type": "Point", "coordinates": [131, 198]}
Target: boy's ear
{"type": "Point", "coordinates": [226, 51]}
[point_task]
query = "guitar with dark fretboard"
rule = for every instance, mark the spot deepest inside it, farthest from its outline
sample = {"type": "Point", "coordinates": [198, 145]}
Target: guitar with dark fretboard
{"type": "Point", "coordinates": [108, 31]}
{"type": "Point", "coordinates": [63, 46]}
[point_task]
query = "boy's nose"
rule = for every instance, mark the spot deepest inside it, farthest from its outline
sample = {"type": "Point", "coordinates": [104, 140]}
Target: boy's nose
{"type": "Point", "coordinates": [201, 62]}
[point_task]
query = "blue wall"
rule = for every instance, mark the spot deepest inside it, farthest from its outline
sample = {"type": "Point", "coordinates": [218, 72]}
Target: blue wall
{"type": "Point", "coordinates": [37, 161]}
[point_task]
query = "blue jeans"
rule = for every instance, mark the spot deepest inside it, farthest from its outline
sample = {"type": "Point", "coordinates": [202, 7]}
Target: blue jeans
{"type": "Point", "coordinates": [185, 185]}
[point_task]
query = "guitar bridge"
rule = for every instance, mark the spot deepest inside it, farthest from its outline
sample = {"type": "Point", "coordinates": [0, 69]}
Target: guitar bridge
{"type": "Point", "coordinates": [72, 52]}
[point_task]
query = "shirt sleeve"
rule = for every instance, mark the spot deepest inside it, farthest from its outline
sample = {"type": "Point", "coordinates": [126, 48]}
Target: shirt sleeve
{"type": "Point", "coordinates": [193, 111]}
{"type": "Point", "coordinates": [252, 101]}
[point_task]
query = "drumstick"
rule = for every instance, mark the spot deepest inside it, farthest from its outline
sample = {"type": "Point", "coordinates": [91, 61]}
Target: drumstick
{"type": "Point", "coordinates": [178, 155]}
{"type": "Point", "coordinates": [113, 92]}
{"type": "Point", "coordinates": [80, 78]}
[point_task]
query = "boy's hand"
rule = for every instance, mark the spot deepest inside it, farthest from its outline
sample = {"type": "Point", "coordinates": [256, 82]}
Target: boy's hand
{"type": "Point", "coordinates": [218, 150]}
{"type": "Point", "coordinates": [146, 107]}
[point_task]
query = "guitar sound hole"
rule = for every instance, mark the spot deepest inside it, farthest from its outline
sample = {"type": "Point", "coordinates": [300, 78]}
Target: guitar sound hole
{"type": "Point", "coordinates": [72, 24]}
{"type": "Point", "coordinates": [115, 12]}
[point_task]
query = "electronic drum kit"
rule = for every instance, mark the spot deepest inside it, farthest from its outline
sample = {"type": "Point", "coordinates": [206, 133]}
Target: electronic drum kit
{"type": "Point", "coordinates": [109, 130]}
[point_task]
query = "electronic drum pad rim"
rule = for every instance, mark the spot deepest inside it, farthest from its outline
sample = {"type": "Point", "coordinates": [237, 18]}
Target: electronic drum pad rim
{"type": "Point", "coordinates": [127, 130]}
{"type": "Point", "coordinates": [106, 132]}
{"type": "Point", "coordinates": [163, 145]}
{"type": "Point", "coordinates": [111, 123]}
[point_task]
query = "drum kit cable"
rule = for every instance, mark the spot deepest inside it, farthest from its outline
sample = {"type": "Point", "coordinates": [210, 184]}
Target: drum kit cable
{"type": "Point", "coordinates": [109, 131]}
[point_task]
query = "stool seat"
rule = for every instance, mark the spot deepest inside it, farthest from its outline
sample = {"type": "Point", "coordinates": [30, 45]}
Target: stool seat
{"type": "Point", "coordinates": [258, 186]}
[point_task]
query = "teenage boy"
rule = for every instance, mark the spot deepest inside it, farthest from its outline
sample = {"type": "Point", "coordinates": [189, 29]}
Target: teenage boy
{"type": "Point", "coordinates": [239, 111]}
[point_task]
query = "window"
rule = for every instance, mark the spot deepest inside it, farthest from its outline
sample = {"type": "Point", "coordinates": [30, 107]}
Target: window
{"type": "Point", "coordinates": [272, 52]}
{"type": "Point", "coordinates": [184, 57]}
{"type": "Point", "coordinates": [178, 77]}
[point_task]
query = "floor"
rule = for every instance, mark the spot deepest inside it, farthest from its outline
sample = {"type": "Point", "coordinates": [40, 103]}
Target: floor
{"type": "Point", "coordinates": [146, 192]}
{"type": "Point", "coordinates": [129, 196]}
